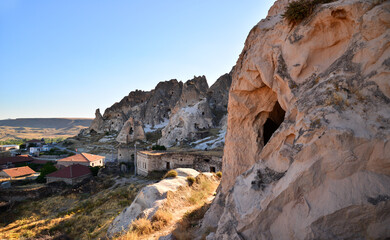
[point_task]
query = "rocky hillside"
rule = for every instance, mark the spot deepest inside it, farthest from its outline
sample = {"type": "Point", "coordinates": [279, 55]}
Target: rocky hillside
{"type": "Point", "coordinates": [307, 151]}
{"type": "Point", "coordinates": [183, 112]}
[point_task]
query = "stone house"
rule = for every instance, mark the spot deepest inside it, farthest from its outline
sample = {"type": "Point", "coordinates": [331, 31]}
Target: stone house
{"type": "Point", "coordinates": [8, 162]}
{"type": "Point", "coordinates": [85, 159]}
{"type": "Point", "coordinates": [35, 143]}
{"type": "Point", "coordinates": [71, 175]}
{"type": "Point", "coordinates": [125, 154]}
{"type": "Point", "coordinates": [148, 161]}
{"type": "Point", "coordinates": [18, 172]}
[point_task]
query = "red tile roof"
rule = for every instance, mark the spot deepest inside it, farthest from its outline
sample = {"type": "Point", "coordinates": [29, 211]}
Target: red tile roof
{"type": "Point", "coordinates": [83, 157]}
{"type": "Point", "coordinates": [19, 171]}
{"type": "Point", "coordinates": [72, 171]}
{"type": "Point", "coordinates": [16, 159]}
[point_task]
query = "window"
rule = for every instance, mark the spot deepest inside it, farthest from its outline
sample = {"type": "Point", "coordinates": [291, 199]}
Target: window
{"type": "Point", "coordinates": [92, 164]}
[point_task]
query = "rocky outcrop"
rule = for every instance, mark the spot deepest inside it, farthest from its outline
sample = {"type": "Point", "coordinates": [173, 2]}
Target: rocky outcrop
{"type": "Point", "coordinates": [193, 91]}
{"type": "Point", "coordinates": [307, 151]}
{"type": "Point", "coordinates": [97, 123]}
{"type": "Point", "coordinates": [150, 107]}
{"type": "Point", "coordinates": [200, 108]}
{"type": "Point", "coordinates": [131, 131]}
{"type": "Point", "coordinates": [218, 96]}
{"type": "Point", "coordinates": [170, 99]}
{"type": "Point", "coordinates": [186, 123]}
{"type": "Point", "coordinates": [149, 199]}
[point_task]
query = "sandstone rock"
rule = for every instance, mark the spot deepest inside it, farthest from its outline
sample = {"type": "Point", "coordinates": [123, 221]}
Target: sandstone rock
{"type": "Point", "coordinates": [97, 123]}
{"type": "Point", "coordinates": [218, 96]}
{"type": "Point", "coordinates": [306, 152]}
{"type": "Point", "coordinates": [184, 124]}
{"type": "Point", "coordinates": [149, 199]}
{"type": "Point", "coordinates": [193, 91]}
{"type": "Point", "coordinates": [163, 99]}
{"type": "Point", "coordinates": [131, 131]}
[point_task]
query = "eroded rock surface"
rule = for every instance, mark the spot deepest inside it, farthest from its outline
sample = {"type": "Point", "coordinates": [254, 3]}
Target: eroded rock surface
{"type": "Point", "coordinates": [168, 104]}
{"type": "Point", "coordinates": [131, 131]}
{"type": "Point", "coordinates": [149, 199]}
{"type": "Point", "coordinates": [307, 152]}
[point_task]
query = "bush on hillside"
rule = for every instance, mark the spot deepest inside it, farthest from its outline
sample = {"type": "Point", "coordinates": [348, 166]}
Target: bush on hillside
{"type": "Point", "coordinates": [170, 174]}
{"type": "Point", "coordinates": [219, 174]}
{"type": "Point", "coordinates": [159, 147]}
{"type": "Point", "coordinates": [95, 170]}
{"type": "Point", "coordinates": [190, 180]}
{"type": "Point", "coordinates": [297, 11]}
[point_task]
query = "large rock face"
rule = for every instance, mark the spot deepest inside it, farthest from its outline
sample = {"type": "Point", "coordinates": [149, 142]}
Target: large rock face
{"type": "Point", "coordinates": [131, 131]}
{"type": "Point", "coordinates": [185, 124]}
{"type": "Point", "coordinates": [168, 104]}
{"type": "Point", "coordinates": [149, 199]}
{"type": "Point", "coordinates": [198, 109]}
{"type": "Point", "coordinates": [307, 152]}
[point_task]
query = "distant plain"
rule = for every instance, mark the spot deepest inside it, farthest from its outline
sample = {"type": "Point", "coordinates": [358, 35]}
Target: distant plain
{"type": "Point", "coordinates": [30, 128]}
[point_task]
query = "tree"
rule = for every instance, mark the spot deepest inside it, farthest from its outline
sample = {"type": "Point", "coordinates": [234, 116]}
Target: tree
{"type": "Point", "coordinates": [46, 169]}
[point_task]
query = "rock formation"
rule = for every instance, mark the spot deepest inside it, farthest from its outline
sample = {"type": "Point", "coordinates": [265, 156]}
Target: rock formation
{"type": "Point", "coordinates": [149, 199]}
{"type": "Point", "coordinates": [131, 131]}
{"type": "Point", "coordinates": [307, 152]}
{"type": "Point", "coordinates": [199, 109]}
{"type": "Point", "coordinates": [169, 100]}
{"type": "Point", "coordinates": [186, 124]}
{"type": "Point", "coordinates": [98, 122]}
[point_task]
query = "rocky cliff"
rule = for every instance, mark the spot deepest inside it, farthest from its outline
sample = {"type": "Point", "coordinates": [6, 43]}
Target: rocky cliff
{"type": "Point", "coordinates": [167, 106]}
{"type": "Point", "coordinates": [307, 152]}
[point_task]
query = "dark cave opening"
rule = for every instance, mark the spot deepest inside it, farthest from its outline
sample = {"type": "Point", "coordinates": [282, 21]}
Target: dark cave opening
{"type": "Point", "coordinates": [275, 118]}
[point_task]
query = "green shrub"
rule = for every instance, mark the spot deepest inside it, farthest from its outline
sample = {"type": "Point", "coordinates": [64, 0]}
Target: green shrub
{"type": "Point", "coordinates": [159, 147]}
{"type": "Point", "coordinates": [170, 174]}
{"type": "Point", "coordinates": [95, 170]}
{"type": "Point", "coordinates": [219, 174]}
{"type": "Point", "coordinates": [46, 169]}
{"type": "Point", "coordinates": [190, 180]}
{"type": "Point", "coordinates": [297, 11]}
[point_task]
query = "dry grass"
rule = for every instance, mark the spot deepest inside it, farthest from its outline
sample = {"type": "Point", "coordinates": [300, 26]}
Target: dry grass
{"type": "Point", "coordinates": [7, 132]}
{"type": "Point", "coordinates": [170, 174]}
{"type": "Point", "coordinates": [79, 216]}
{"type": "Point", "coordinates": [142, 226]}
{"type": "Point", "coordinates": [161, 218]}
{"type": "Point", "coordinates": [195, 198]}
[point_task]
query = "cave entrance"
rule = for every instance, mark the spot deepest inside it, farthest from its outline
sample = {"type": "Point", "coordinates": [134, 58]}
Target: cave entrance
{"type": "Point", "coordinates": [275, 118]}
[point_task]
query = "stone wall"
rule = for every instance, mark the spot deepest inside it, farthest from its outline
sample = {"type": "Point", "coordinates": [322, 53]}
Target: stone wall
{"type": "Point", "coordinates": [126, 154]}
{"type": "Point", "coordinates": [208, 164]}
{"type": "Point", "coordinates": [147, 162]}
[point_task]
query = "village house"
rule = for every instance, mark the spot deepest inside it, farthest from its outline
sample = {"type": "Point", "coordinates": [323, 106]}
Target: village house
{"type": "Point", "coordinates": [8, 162]}
{"type": "Point", "coordinates": [14, 173]}
{"type": "Point", "coordinates": [126, 154]}
{"type": "Point", "coordinates": [9, 147]}
{"type": "Point", "coordinates": [148, 161]}
{"type": "Point", "coordinates": [85, 159]}
{"type": "Point", "coordinates": [70, 175]}
{"type": "Point", "coordinates": [35, 143]}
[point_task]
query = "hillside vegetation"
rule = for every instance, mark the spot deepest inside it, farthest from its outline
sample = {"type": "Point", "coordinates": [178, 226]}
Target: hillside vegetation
{"type": "Point", "coordinates": [82, 213]}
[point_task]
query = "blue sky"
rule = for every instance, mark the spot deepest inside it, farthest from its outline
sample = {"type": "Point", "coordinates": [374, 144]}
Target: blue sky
{"type": "Point", "coordinates": [67, 58]}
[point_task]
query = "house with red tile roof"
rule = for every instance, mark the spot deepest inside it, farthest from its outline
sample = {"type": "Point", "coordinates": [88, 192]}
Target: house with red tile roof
{"type": "Point", "coordinates": [72, 174]}
{"type": "Point", "coordinates": [85, 159]}
{"type": "Point", "coordinates": [7, 162]}
{"type": "Point", "coordinates": [17, 172]}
